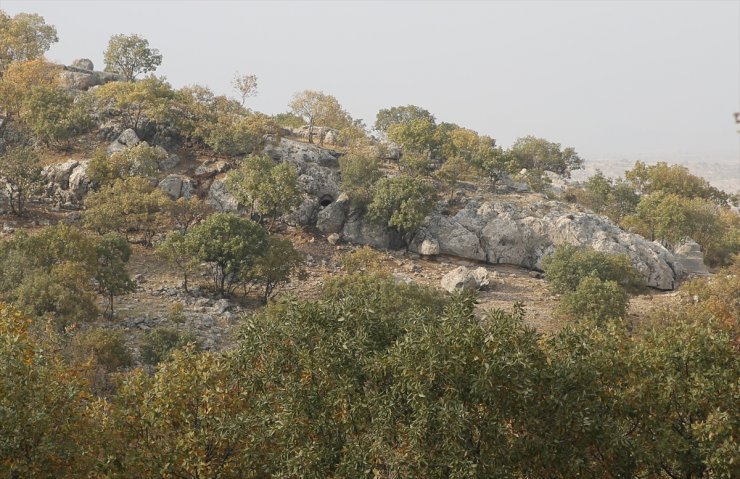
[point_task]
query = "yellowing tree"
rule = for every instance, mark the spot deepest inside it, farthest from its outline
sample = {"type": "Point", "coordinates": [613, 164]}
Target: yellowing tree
{"type": "Point", "coordinates": [25, 36]}
{"type": "Point", "coordinates": [318, 108]}
{"type": "Point", "coordinates": [246, 85]}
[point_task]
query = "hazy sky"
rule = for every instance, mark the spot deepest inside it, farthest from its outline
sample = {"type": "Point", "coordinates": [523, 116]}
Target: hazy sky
{"type": "Point", "coordinates": [615, 80]}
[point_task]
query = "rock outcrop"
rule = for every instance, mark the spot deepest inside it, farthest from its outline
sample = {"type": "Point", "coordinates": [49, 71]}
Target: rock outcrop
{"type": "Point", "coordinates": [318, 177]}
{"type": "Point", "coordinates": [126, 139]}
{"type": "Point", "coordinates": [690, 256]}
{"type": "Point", "coordinates": [81, 75]}
{"type": "Point", "coordinates": [178, 186]}
{"type": "Point", "coordinates": [510, 233]}
{"type": "Point", "coordinates": [67, 183]}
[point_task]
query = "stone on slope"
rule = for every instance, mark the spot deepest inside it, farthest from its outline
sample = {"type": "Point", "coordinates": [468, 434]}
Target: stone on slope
{"type": "Point", "coordinates": [461, 278]}
{"type": "Point", "coordinates": [126, 139]}
{"type": "Point", "coordinates": [178, 186]}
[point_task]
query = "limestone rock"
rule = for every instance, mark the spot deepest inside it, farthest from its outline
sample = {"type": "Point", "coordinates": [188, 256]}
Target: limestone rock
{"type": "Point", "coordinates": [212, 168]}
{"type": "Point", "coordinates": [67, 183]}
{"type": "Point", "coordinates": [83, 64]}
{"type": "Point", "coordinates": [429, 247]}
{"type": "Point", "coordinates": [220, 199]}
{"type": "Point", "coordinates": [298, 152]}
{"type": "Point", "coordinates": [81, 76]}
{"type": "Point", "coordinates": [178, 186]}
{"type": "Point", "coordinates": [334, 238]}
{"type": "Point", "coordinates": [465, 279]}
{"type": "Point", "coordinates": [510, 233]}
{"type": "Point", "coordinates": [690, 256]}
{"type": "Point", "coordinates": [357, 229]}
{"type": "Point", "coordinates": [331, 218]}
{"type": "Point", "coordinates": [59, 173]}
{"type": "Point", "coordinates": [170, 162]}
{"type": "Point", "coordinates": [126, 139]}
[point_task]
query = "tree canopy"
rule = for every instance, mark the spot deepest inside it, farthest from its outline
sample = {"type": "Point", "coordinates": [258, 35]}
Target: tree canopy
{"type": "Point", "coordinates": [130, 55]}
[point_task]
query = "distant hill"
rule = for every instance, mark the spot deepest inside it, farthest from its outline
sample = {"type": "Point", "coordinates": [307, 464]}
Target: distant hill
{"type": "Point", "coordinates": [723, 174]}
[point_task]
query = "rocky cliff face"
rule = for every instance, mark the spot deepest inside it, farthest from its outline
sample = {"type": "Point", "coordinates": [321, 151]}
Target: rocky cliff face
{"type": "Point", "coordinates": [505, 232]}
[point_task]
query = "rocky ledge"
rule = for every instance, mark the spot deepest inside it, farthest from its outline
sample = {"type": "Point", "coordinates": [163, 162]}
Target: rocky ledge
{"type": "Point", "coordinates": [503, 232]}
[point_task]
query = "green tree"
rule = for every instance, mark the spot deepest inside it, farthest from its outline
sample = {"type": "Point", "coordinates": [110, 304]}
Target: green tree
{"type": "Point", "coordinates": [44, 428]}
{"type": "Point", "coordinates": [20, 175]}
{"type": "Point", "coordinates": [243, 134]}
{"type": "Point", "coordinates": [539, 154]}
{"type": "Point", "coordinates": [180, 251]}
{"type": "Point", "coordinates": [60, 294]}
{"type": "Point", "coordinates": [400, 115]}
{"type": "Point", "coordinates": [452, 171]}
{"type": "Point", "coordinates": [19, 79]}
{"type": "Point", "coordinates": [687, 385]}
{"type": "Point", "coordinates": [185, 420]}
{"type": "Point", "coordinates": [672, 179]}
{"type": "Point", "coordinates": [232, 245]}
{"type": "Point", "coordinates": [99, 353]}
{"type": "Point", "coordinates": [289, 120]}
{"type": "Point", "coordinates": [130, 56]}
{"type": "Point", "coordinates": [159, 344]}
{"type": "Point", "coordinates": [268, 189]}
{"type": "Point", "coordinates": [318, 109]}
{"type": "Point", "coordinates": [113, 252]}
{"type": "Point", "coordinates": [415, 136]}
{"type": "Point", "coordinates": [277, 265]}
{"type": "Point", "coordinates": [129, 206]}
{"type": "Point", "coordinates": [359, 175]}
{"type": "Point", "coordinates": [53, 115]}
{"type": "Point", "coordinates": [401, 203]}
{"type": "Point", "coordinates": [138, 103]}
{"type": "Point", "coordinates": [25, 36]}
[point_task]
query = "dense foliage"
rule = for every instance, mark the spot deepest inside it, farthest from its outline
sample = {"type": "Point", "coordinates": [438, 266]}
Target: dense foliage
{"type": "Point", "coordinates": [381, 380]}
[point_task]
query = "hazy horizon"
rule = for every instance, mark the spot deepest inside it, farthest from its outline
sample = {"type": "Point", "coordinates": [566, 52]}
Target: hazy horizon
{"type": "Point", "coordinates": [616, 80]}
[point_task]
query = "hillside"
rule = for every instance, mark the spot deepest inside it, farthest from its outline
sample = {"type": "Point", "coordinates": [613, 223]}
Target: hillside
{"type": "Point", "coordinates": [193, 289]}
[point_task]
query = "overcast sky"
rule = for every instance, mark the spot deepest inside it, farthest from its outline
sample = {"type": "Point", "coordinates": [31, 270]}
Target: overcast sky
{"type": "Point", "coordinates": [615, 80]}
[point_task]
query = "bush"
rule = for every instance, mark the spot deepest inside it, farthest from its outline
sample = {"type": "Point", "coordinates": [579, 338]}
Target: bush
{"type": "Point", "coordinates": [568, 266]}
{"type": "Point", "coordinates": [158, 345]}
{"type": "Point", "coordinates": [595, 300]}
{"type": "Point", "coordinates": [363, 259]}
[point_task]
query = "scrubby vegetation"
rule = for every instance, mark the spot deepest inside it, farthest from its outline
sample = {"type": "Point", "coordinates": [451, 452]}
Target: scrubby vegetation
{"type": "Point", "coordinates": [365, 373]}
{"type": "Point", "coordinates": [378, 380]}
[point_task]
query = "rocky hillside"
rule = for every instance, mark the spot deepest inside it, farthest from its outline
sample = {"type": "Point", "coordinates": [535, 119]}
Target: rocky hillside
{"type": "Point", "coordinates": [504, 228]}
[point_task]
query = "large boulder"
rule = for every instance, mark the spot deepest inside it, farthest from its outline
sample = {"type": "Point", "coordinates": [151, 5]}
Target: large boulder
{"type": "Point", "coordinates": [299, 152]}
{"type": "Point", "coordinates": [67, 183]}
{"type": "Point", "coordinates": [332, 217]}
{"type": "Point", "coordinates": [523, 234]}
{"type": "Point", "coordinates": [80, 75]}
{"type": "Point", "coordinates": [83, 64]}
{"type": "Point", "coordinates": [690, 256]}
{"type": "Point", "coordinates": [359, 230]}
{"type": "Point", "coordinates": [462, 278]}
{"type": "Point", "coordinates": [318, 178]}
{"type": "Point", "coordinates": [125, 140]}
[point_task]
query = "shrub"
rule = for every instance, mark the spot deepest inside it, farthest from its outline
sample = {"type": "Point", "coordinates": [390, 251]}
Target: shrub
{"type": "Point", "coordinates": [595, 300]}
{"type": "Point", "coordinates": [363, 259]}
{"type": "Point", "coordinates": [569, 265]}
{"type": "Point", "coordinates": [158, 345]}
